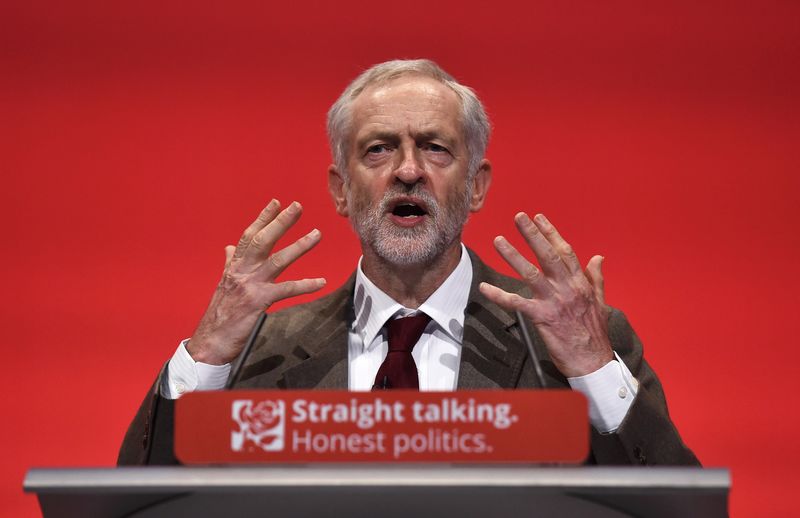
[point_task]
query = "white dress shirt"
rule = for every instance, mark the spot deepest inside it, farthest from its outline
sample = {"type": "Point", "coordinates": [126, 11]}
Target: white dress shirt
{"type": "Point", "coordinates": [610, 390]}
{"type": "Point", "coordinates": [438, 351]}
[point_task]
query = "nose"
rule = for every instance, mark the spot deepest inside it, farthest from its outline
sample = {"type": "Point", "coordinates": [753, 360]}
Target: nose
{"type": "Point", "coordinates": [411, 169]}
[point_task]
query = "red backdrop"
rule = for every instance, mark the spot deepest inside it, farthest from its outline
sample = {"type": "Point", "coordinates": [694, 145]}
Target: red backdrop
{"type": "Point", "coordinates": [138, 141]}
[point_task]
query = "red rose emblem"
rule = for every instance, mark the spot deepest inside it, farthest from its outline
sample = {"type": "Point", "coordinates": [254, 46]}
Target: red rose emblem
{"type": "Point", "coordinates": [261, 417]}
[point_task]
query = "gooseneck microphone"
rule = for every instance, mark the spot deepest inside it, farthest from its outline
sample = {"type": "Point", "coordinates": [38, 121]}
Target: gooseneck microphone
{"type": "Point", "coordinates": [526, 337]}
{"type": "Point", "coordinates": [248, 346]}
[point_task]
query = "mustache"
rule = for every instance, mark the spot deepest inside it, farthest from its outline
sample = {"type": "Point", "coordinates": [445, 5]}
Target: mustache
{"type": "Point", "coordinates": [395, 192]}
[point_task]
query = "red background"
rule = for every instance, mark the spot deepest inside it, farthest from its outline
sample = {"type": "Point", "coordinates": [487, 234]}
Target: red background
{"type": "Point", "coordinates": [138, 141]}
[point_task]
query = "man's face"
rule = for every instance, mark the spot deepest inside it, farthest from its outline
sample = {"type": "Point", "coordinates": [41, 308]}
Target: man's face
{"type": "Point", "coordinates": [405, 189]}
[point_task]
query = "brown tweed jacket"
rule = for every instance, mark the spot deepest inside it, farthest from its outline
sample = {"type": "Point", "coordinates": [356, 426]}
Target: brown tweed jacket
{"type": "Point", "coordinates": [305, 347]}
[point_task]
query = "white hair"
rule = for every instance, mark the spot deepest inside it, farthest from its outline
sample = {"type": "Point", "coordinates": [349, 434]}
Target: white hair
{"type": "Point", "coordinates": [473, 116]}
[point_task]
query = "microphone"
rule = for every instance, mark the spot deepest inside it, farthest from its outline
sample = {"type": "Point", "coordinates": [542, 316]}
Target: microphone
{"type": "Point", "coordinates": [248, 346]}
{"type": "Point", "coordinates": [526, 337]}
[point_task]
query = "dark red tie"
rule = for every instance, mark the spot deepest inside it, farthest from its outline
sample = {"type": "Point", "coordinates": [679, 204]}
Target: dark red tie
{"type": "Point", "coordinates": [398, 370]}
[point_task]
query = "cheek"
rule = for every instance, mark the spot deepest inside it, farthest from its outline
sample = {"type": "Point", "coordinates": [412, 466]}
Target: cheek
{"type": "Point", "coordinates": [452, 189]}
{"type": "Point", "coordinates": [438, 160]}
{"type": "Point", "coordinates": [359, 197]}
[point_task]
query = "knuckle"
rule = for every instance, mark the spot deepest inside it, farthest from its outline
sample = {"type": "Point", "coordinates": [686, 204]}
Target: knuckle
{"type": "Point", "coordinates": [570, 299]}
{"type": "Point", "coordinates": [250, 297]}
{"type": "Point", "coordinates": [277, 260]}
{"type": "Point", "coordinates": [258, 240]}
{"type": "Point", "coordinates": [289, 288]}
{"type": "Point", "coordinates": [547, 315]}
{"type": "Point", "coordinates": [246, 237]}
{"type": "Point", "coordinates": [283, 218]}
{"type": "Point", "coordinates": [265, 216]}
{"type": "Point", "coordinates": [518, 301]}
{"type": "Point", "coordinates": [529, 225]}
{"type": "Point", "coordinates": [306, 241]}
{"type": "Point", "coordinates": [552, 257]}
{"type": "Point", "coordinates": [229, 281]}
{"type": "Point", "coordinates": [580, 296]}
{"type": "Point", "coordinates": [530, 273]}
{"type": "Point", "coordinates": [234, 289]}
{"type": "Point", "coordinates": [586, 293]}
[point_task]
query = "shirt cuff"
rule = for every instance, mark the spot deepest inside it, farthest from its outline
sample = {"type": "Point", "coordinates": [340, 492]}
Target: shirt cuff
{"type": "Point", "coordinates": [610, 391]}
{"type": "Point", "coordinates": [186, 375]}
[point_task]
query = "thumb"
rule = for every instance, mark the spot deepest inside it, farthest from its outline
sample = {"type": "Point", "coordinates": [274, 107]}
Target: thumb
{"type": "Point", "coordinates": [229, 250]}
{"type": "Point", "coordinates": [595, 275]}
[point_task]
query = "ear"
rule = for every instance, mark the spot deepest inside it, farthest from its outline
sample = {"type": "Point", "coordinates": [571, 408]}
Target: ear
{"type": "Point", "coordinates": [337, 186]}
{"type": "Point", "coordinates": [480, 185]}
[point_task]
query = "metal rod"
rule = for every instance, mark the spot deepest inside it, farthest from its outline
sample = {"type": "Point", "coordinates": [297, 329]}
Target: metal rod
{"type": "Point", "coordinates": [237, 369]}
{"type": "Point", "coordinates": [526, 337]}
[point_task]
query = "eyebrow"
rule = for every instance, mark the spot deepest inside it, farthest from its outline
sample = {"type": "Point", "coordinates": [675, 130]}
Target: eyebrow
{"type": "Point", "coordinates": [388, 136]}
{"type": "Point", "coordinates": [376, 135]}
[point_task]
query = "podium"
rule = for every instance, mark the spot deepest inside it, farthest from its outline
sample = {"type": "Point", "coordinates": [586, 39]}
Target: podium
{"type": "Point", "coordinates": [393, 454]}
{"type": "Point", "coordinates": [382, 490]}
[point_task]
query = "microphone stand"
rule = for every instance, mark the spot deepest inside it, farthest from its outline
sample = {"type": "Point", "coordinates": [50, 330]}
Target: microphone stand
{"type": "Point", "coordinates": [248, 346]}
{"type": "Point", "coordinates": [526, 337]}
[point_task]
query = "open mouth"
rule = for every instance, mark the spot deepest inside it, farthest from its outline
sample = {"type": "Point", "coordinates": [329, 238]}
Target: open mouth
{"type": "Point", "coordinates": [408, 210]}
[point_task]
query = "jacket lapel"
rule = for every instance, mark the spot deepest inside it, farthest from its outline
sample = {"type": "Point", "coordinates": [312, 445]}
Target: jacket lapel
{"type": "Point", "coordinates": [323, 369]}
{"type": "Point", "coordinates": [493, 354]}
{"type": "Point", "coordinates": [324, 347]}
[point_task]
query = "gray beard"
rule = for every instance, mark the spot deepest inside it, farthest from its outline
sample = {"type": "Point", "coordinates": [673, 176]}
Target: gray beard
{"type": "Point", "coordinates": [420, 245]}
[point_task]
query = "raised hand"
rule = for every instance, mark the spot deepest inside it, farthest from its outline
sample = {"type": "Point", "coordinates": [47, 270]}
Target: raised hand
{"type": "Point", "coordinates": [568, 306]}
{"type": "Point", "coordinates": [248, 284]}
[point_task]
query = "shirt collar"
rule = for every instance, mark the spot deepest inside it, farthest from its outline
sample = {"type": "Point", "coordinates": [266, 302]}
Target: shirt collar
{"type": "Point", "coordinates": [445, 306]}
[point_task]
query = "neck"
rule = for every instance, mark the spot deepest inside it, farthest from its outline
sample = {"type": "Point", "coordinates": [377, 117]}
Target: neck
{"type": "Point", "coordinates": [410, 285]}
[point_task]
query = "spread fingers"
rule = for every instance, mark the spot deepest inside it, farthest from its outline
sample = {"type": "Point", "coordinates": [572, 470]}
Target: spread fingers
{"type": "Point", "coordinates": [280, 260]}
{"type": "Point", "coordinates": [267, 214]}
{"type": "Point", "coordinates": [548, 257]}
{"type": "Point", "coordinates": [530, 274]}
{"type": "Point", "coordinates": [264, 240]}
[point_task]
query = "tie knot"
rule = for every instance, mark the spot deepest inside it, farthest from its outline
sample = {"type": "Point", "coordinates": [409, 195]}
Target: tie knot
{"type": "Point", "coordinates": [404, 332]}
{"type": "Point", "coordinates": [398, 370]}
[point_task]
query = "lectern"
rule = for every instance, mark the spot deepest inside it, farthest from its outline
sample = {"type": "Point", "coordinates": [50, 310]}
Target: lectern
{"type": "Point", "coordinates": [383, 491]}
{"type": "Point", "coordinates": [403, 454]}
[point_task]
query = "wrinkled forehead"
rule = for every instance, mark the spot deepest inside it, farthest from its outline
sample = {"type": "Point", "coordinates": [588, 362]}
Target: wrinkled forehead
{"type": "Point", "coordinates": [413, 84]}
{"type": "Point", "coordinates": [414, 102]}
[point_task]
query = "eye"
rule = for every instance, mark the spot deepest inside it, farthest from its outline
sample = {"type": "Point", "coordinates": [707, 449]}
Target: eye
{"type": "Point", "coordinates": [437, 154]}
{"type": "Point", "coordinates": [377, 149]}
{"type": "Point", "coordinates": [435, 148]}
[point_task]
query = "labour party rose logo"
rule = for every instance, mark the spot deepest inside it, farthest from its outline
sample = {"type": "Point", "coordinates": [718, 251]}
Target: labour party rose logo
{"type": "Point", "coordinates": [261, 425]}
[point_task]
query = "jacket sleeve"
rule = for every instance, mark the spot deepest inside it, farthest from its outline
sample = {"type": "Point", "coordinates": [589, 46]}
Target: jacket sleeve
{"type": "Point", "coordinates": [149, 439]}
{"type": "Point", "coordinates": [647, 435]}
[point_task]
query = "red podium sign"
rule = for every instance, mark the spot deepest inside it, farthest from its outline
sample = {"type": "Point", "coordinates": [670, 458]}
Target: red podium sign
{"type": "Point", "coordinates": [387, 426]}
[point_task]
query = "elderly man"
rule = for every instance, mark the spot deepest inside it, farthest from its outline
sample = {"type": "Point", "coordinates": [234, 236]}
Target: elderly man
{"type": "Point", "coordinates": [408, 144]}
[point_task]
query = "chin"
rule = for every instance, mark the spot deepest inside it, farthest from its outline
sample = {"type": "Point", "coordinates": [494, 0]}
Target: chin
{"type": "Point", "coordinates": [419, 245]}
{"type": "Point", "coordinates": [410, 250]}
